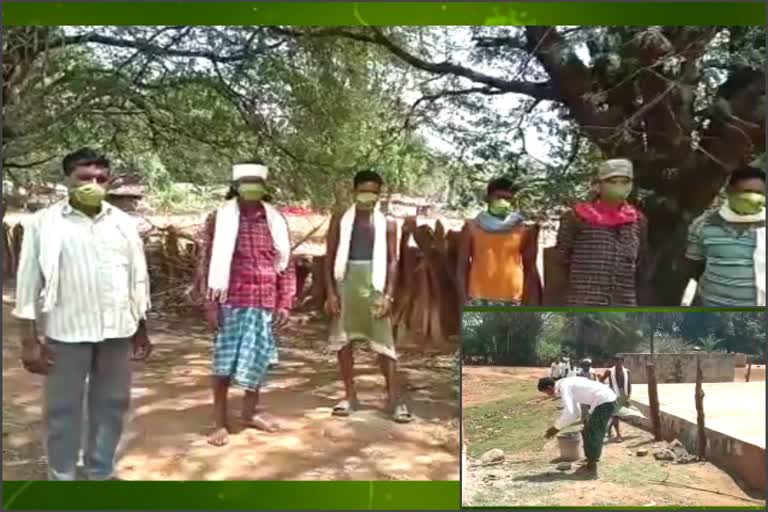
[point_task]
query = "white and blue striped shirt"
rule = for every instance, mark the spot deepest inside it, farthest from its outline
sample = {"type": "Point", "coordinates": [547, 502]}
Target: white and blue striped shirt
{"type": "Point", "coordinates": [94, 284]}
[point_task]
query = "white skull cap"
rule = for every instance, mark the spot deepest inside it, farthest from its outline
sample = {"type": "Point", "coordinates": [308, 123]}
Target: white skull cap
{"type": "Point", "coordinates": [249, 171]}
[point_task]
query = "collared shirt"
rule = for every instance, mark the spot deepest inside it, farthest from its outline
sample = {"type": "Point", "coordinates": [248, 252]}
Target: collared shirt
{"type": "Point", "coordinates": [94, 293]}
{"type": "Point", "coordinates": [253, 280]}
{"type": "Point", "coordinates": [575, 391]}
{"type": "Point", "coordinates": [727, 250]}
{"type": "Point", "coordinates": [605, 264]}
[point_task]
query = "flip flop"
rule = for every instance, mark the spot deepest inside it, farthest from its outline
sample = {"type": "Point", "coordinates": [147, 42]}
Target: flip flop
{"type": "Point", "coordinates": [344, 408]}
{"type": "Point", "coordinates": [401, 414]}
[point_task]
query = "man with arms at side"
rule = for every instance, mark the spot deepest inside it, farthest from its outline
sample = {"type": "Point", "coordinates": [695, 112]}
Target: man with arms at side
{"type": "Point", "coordinates": [726, 247]}
{"type": "Point", "coordinates": [497, 254]}
{"type": "Point", "coordinates": [249, 285]}
{"type": "Point", "coordinates": [84, 261]}
{"type": "Point", "coordinates": [618, 378]}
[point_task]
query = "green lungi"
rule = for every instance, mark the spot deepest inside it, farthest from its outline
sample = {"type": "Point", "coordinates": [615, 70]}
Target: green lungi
{"type": "Point", "coordinates": [595, 429]}
{"type": "Point", "coordinates": [357, 321]}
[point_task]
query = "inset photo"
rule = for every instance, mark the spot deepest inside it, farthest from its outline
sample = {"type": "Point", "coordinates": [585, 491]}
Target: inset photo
{"type": "Point", "coordinates": [609, 409]}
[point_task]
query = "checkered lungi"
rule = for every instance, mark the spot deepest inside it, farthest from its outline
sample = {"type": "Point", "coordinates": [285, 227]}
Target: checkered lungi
{"type": "Point", "coordinates": [243, 346]}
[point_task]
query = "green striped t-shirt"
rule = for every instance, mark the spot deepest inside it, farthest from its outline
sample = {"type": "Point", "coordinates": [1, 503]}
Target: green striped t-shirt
{"type": "Point", "coordinates": [727, 249]}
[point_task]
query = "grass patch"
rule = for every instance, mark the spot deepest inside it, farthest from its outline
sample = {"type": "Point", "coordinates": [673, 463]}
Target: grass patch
{"type": "Point", "coordinates": [514, 423]}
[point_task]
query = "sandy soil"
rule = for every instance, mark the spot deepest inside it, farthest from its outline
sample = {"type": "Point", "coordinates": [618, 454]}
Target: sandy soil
{"type": "Point", "coordinates": [529, 477]}
{"type": "Point", "coordinates": [164, 439]}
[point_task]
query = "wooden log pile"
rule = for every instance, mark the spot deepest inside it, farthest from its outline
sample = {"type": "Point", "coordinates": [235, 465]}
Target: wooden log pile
{"type": "Point", "coordinates": [426, 308]}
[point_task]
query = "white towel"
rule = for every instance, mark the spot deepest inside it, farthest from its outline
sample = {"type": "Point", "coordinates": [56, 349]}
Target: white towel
{"type": "Point", "coordinates": [759, 254]}
{"type": "Point", "coordinates": [225, 240]}
{"type": "Point", "coordinates": [379, 272]}
{"type": "Point", "coordinates": [50, 256]}
{"type": "Point", "coordinates": [759, 260]}
{"type": "Point", "coordinates": [614, 381]}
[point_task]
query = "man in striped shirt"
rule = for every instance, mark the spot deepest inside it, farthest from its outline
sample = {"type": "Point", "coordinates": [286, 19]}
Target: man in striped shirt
{"type": "Point", "coordinates": [82, 274]}
{"type": "Point", "coordinates": [726, 247]}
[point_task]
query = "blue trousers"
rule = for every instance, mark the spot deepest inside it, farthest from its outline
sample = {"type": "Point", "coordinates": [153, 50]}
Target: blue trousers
{"type": "Point", "coordinates": [106, 366]}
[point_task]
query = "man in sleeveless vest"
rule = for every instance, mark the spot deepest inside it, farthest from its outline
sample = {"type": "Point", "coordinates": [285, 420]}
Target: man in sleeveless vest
{"type": "Point", "coordinates": [601, 244]}
{"type": "Point", "coordinates": [726, 247]}
{"type": "Point", "coordinates": [249, 285]}
{"type": "Point", "coordinates": [497, 254]}
{"type": "Point", "coordinates": [617, 377]}
{"type": "Point", "coordinates": [360, 271]}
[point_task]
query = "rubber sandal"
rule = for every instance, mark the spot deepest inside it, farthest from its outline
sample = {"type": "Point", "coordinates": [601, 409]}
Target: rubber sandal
{"type": "Point", "coordinates": [344, 408]}
{"type": "Point", "coordinates": [402, 414]}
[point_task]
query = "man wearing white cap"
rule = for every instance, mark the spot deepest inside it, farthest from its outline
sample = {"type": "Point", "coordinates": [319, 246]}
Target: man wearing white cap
{"type": "Point", "coordinates": [602, 243]}
{"type": "Point", "coordinates": [249, 284]}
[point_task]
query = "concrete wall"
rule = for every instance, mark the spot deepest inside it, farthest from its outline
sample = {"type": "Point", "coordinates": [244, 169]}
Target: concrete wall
{"type": "Point", "coordinates": [740, 360]}
{"type": "Point", "coordinates": [742, 460]}
{"type": "Point", "coordinates": [681, 368]}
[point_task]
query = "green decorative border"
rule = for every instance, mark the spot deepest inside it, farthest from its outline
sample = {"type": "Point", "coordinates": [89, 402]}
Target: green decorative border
{"type": "Point", "coordinates": [233, 495]}
{"type": "Point", "coordinates": [383, 13]}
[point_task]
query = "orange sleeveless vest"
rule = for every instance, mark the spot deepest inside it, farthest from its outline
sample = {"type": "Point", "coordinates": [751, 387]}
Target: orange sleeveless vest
{"type": "Point", "coordinates": [496, 269]}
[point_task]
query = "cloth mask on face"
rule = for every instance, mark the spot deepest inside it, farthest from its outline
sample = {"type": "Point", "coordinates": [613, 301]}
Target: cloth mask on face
{"type": "Point", "coordinates": [500, 208]}
{"type": "Point", "coordinates": [746, 203]}
{"type": "Point", "coordinates": [615, 192]}
{"type": "Point", "coordinates": [366, 200]}
{"type": "Point", "coordinates": [251, 191]}
{"type": "Point", "coordinates": [90, 194]}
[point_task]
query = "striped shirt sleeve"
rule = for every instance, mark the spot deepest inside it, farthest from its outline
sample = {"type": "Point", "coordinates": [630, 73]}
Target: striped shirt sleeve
{"type": "Point", "coordinates": [695, 249]}
{"type": "Point", "coordinates": [29, 280]}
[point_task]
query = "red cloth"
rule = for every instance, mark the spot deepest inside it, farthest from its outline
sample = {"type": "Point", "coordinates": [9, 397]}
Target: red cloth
{"type": "Point", "coordinates": [253, 282]}
{"type": "Point", "coordinates": [600, 213]}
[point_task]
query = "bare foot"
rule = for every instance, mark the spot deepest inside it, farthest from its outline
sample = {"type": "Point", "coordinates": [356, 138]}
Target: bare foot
{"type": "Point", "coordinates": [262, 421]}
{"type": "Point", "coordinates": [619, 439]}
{"type": "Point", "coordinates": [219, 437]}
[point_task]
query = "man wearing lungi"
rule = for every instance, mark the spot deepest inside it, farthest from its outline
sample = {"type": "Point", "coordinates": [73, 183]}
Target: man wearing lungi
{"type": "Point", "coordinates": [249, 286]}
{"type": "Point", "coordinates": [574, 391]}
{"type": "Point", "coordinates": [619, 379]}
{"type": "Point", "coordinates": [361, 266]}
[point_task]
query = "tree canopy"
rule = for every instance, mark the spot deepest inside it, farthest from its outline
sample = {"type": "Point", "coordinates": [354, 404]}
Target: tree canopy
{"type": "Point", "coordinates": [181, 103]}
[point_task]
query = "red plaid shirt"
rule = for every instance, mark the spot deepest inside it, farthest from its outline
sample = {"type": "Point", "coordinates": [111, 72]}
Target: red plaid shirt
{"type": "Point", "coordinates": [253, 280]}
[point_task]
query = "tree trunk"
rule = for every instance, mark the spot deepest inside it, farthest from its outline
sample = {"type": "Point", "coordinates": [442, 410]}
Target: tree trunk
{"type": "Point", "coordinates": [701, 437]}
{"type": "Point", "coordinates": [653, 401]}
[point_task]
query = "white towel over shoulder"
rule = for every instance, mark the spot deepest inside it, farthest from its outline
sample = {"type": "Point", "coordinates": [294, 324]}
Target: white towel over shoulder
{"type": "Point", "coordinates": [379, 272]}
{"type": "Point", "coordinates": [225, 240]}
{"type": "Point", "coordinates": [760, 266]}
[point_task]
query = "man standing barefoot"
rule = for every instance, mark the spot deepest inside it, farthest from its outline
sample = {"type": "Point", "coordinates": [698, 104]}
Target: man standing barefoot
{"type": "Point", "coordinates": [249, 286]}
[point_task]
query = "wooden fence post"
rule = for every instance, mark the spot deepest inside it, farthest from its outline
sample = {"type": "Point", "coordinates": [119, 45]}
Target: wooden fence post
{"type": "Point", "coordinates": [749, 371]}
{"type": "Point", "coordinates": [653, 401]}
{"type": "Point", "coordinates": [701, 438]}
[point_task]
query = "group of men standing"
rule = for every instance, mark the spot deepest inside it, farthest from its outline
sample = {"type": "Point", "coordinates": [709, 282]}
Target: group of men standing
{"type": "Point", "coordinates": [83, 297]}
{"type": "Point", "coordinates": [602, 247]}
{"type": "Point", "coordinates": [83, 287]}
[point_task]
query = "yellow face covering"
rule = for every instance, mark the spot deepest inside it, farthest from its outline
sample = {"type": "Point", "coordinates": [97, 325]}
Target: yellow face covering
{"type": "Point", "coordinates": [91, 194]}
{"type": "Point", "coordinates": [746, 203]}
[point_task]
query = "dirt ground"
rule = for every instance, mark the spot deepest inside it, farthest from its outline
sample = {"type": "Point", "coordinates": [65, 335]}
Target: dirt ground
{"type": "Point", "coordinates": [528, 476]}
{"type": "Point", "coordinates": [165, 435]}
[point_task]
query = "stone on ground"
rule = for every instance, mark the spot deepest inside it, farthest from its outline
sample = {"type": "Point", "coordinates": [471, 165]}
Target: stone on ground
{"type": "Point", "coordinates": [494, 456]}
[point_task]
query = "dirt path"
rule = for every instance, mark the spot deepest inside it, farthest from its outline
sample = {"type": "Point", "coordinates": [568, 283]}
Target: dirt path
{"type": "Point", "coordinates": [528, 476]}
{"type": "Point", "coordinates": [164, 439]}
